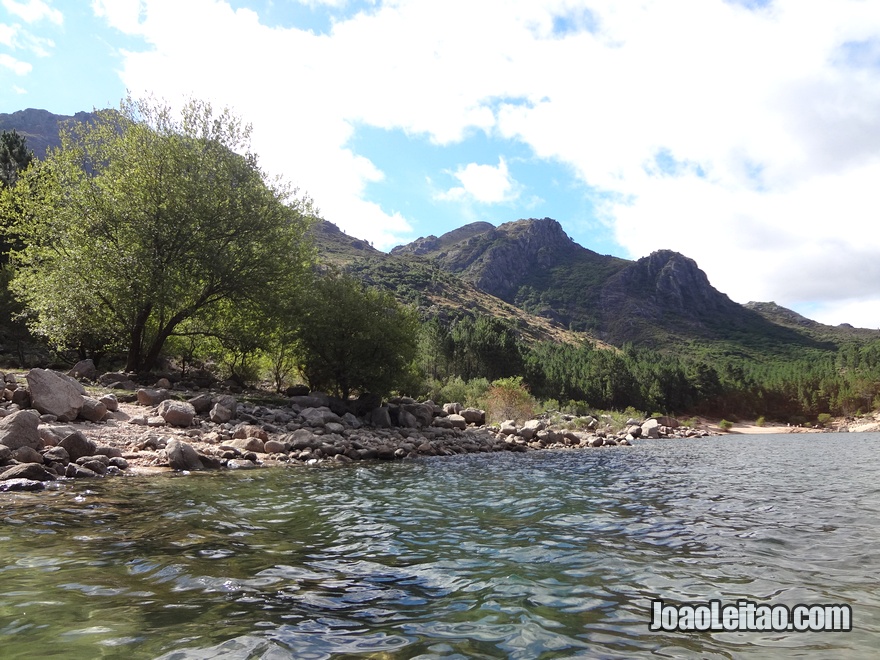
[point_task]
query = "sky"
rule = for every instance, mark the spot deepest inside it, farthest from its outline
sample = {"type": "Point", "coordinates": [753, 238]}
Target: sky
{"type": "Point", "coordinates": [744, 134]}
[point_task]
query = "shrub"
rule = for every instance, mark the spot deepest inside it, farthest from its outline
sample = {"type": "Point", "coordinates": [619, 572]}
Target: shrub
{"type": "Point", "coordinates": [508, 398]}
{"type": "Point", "coordinates": [823, 419]}
{"type": "Point", "coordinates": [760, 421]}
{"type": "Point", "coordinates": [725, 425]}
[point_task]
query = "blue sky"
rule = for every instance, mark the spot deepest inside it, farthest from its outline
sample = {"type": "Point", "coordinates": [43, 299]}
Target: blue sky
{"type": "Point", "coordinates": [744, 134]}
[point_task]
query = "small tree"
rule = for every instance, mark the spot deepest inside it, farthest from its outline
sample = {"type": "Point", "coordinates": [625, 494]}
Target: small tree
{"type": "Point", "coordinates": [14, 157]}
{"type": "Point", "coordinates": [508, 398]}
{"type": "Point", "coordinates": [352, 338]}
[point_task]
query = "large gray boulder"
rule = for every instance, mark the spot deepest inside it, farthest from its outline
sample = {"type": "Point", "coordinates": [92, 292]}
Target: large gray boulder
{"type": "Point", "coordinates": [84, 369]}
{"type": "Point", "coordinates": [182, 456]}
{"type": "Point", "coordinates": [21, 429]}
{"type": "Point", "coordinates": [93, 410]}
{"type": "Point", "coordinates": [177, 413]}
{"type": "Point", "coordinates": [32, 471]}
{"type": "Point", "coordinates": [78, 445]}
{"type": "Point", "coordinates": [54, 394]}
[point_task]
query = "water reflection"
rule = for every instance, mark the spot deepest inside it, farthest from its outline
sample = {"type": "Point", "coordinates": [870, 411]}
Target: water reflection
{"type": "Point", "coordinates": [538, 555]}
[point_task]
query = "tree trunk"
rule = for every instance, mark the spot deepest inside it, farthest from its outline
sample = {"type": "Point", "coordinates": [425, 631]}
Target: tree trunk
{"type": "Point", "coordinates": [136, 340]}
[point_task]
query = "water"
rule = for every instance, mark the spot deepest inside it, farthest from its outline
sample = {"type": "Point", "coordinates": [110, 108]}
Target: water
{"type": "Point", "coordinates": [539, 555]}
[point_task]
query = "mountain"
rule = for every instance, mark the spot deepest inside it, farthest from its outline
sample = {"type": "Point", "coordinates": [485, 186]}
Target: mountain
{"type": "Point", "coordinates": [39, 127]}
{"type": "Point", "coordinates": [663, 301]}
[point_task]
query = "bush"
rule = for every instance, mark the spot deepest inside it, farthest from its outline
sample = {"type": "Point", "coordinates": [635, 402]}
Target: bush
{"type": "Point", "coordinates": [725, 425]}
{"type": "Point", "coordinates": [760, 421]}
{"type": "Point", "coordinates": [508, 398]}
{"type": "Point", "coordinates": [824, 419]}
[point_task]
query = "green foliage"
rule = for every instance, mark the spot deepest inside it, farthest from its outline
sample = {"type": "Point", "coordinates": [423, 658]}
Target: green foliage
{"type": "Point", "coordinates": [725, 425]}
{"type": "Point", "coordinates": [761, 421]}
{"type": "Point", "coordinates": [823, 419]}
{"type": "Point", "coordinates": [509, 398]}
{"type": "Point", "coordinates": [15, 157]}
{"type": "Point", "coordinates": [351, 338]}
{"type": "Point", "coordinates": [141, 222]}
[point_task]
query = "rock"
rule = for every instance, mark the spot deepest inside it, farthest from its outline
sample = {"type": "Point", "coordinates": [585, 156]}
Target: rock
{"type": "Point", "coordinates": [320, 416]}
{"type": "Point", "coordinates": [365, 404]}
{"type": "Point", "coordinates": [75, 471]}
{"type": "Point", "coordinates": [457, 421]}
{"type": "Point", "coordinates": [406, 419]}
{"type": "Point", "coordinates": [21, 398]}
{"type": "Point", "coordinates": [54, 394]}
{"type": "Point", "coordinates": [297, 390]}
{"type": "Point", "coordinates": [250, 431]}
{"type": "Point", "coordinates": [597, 442]}
{"type": "Point", "coordinates": [303, 439]}
{"type": "Point", "coordinates": [381, 417]}
{"type": "Point", "coordinates": [182, 456]}
{"type": "Point", "coordinates": [21, 429]}
{"type": "Point", "coordinates": [162, 384]}
{"type": "Point", "coordinates": [13, 485]}
{"type": "Point", "coordinates": [452, 408]}
{"type": "Point", "coordinates": [56, 455]}
{"type": "Point", "coordinates": [33, 471]}
{"type": "Point", "coordinates": [111, 403]}
{"type": "Point", "coordinates": [651, 429]}
{"type": "Point", "coordinates": [240, 464]}
{"type": "Point", "coordinates": [84, 369]}
{"type": "Point", "coordinates": [274, 447]}
{"type": "Point", "coordinates": [530, 428]}
{"type": "Point", "coordinates": [220, 414]}
{"type": "Point", "coordinates": [423, 413]}
{"type": "Point", "coordinates": [316, 400]}
{"type": "Point", "coordinates": [474, 416]}
{"type": "Point", "coordinates": [27, 455]}
{"type": "Point", "coordinates": [201, 403]}
{"type": "Point", "coordinates": [508, 427]}
{"type": "Point", "coordinates": [77, 445]}
{"type": "Point", "coordinates": [151, 397]}
{"type": "Point", "coordinates": [92, 410]}
{"type": "Point", "coordinates": [247, 444]}
{"type": "Point", "coordinates": [177, 413]}
{"type": "Point", "coordinates": [5, 454]}
{"type": "Point", "coordinates": [666, 420]}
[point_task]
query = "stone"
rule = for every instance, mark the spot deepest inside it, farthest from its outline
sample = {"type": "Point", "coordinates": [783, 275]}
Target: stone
{"type": "Point", "coordinates": [457, 421]}
{"type": "Point", "coordinates": [84, 369]}
{"type": "Point", "coordinates": [33, 471]}
{"type": "Point", "coordinates": [202, 403]}
{"type": "Point", "coordinates": [177, 413]}
{"type": "Point", "coordinates": [423, 413]}
{"type": "Point", "coordinates": [381, 417]}
{"type": "Point", "coordinates": [151, 397]}
{"type": "Point", "coordinates": [406, 419]}
{"type": "Point", "coordinates": [274, 447]}
{"type": "Point", "coordinates": [56, 455]}
{"type": "Point", "coordinates": [21, 398]}
{"type": "Point", "coordinates": [162, 384]}
{"type": "Point", "coordinates": [54, 394]}
{"type": "Point", "coordinates": [182, 456]}
{"type": "Point", "coordinates": [247, 444]}
{"type": "Point", "coordinates": [21, 485]}
{"type": "Point", "coordinates": [77, 445]}
{"type": "Point", "coordinates": [93, 410]}
{"type": "Point", "coordinates": [320, 416]}
{"type": "Point", "coordinates": [220, 414]}
{"type": "Point", "coordinates": [474, 416]}
{"type": "Point", "coordinates": [111, 403]}
{"type": "Point", "coordinates": [5, 454]}
{"type": "Point", "coordinates": [452, 408]}
{"type": "Point", "coordinates": [651, 429]}
{"type": "Point", "coordinates": [229, 402]}
{"type": "Point", "coordinates": [21, 429]}
{"type": "Point", "coordinates": [508, 427]}
{"type": "Point", "coordinates": [27, 455]}
{"type": "Point", "coordinates": [303, 439]}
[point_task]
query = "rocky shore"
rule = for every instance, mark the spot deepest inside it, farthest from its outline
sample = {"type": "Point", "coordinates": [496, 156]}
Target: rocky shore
{"type": "Point", "coordinates": [52, 428]}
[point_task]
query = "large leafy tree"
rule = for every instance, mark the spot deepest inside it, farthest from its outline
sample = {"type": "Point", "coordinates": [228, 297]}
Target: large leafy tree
{"type": "Point", "coordinates": [353, 338]}
{"type": "Point", "coordinates": [14, 157]}
{"type": "Point", "coordinates": [143, 220]}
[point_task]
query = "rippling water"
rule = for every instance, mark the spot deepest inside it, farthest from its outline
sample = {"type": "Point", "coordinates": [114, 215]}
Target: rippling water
{"type": "Point", "coordinates": [539, 555]}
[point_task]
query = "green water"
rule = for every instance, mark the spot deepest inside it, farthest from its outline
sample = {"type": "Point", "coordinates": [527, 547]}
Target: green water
{"type": "Point", "coordinates": [539, 555]}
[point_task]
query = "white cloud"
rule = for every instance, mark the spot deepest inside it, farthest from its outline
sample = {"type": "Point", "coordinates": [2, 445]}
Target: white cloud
{"type": "Point", "coordinates": [32, 11]}
{"type": "Point", "coordinates": [487, 184]}
{"type": "Point", "coordinates": [17, 67]}
{"type": "Point", "coordinates": [770, 114]}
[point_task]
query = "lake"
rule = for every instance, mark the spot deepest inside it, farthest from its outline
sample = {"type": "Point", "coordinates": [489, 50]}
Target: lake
{"type": "Point", "coordinates": [553, 554]}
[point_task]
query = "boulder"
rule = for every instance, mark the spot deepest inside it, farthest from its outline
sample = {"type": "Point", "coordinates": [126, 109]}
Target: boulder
{"type": "Point", "coordinates": [456, 421]}
{"type": "Point", "coordinates": [177, 413]}
{"type": "Point", "coordinates": [320, 416]}
{"type": "Point", "coordinates": [21, 429]}
{"type": "Point", "coordinates": [406, 419]}
{"type": "Point", "coordinates": [220, 414]}
{"type": "Point", "coordinates": [247, 444]}
{"type": "Point", "coordinates": [651, 429]}
{"type": "Point", "coordinates": [365, 404]}
{"type": "Point", "coordinates": [314, 400]}
{"type": "Point", "coordinates": [474, 416]}
{"type": "Point", "coordinates": [21, 398]}
{"type": "Point", "coordinates": [274, 447]}
{"type": "Point", "coordinates": [111, 403]}
{"type": "Point", "coordinates": [54, 394]}
{"type": "Point", "coordinates": [27, 455]}
{"type": "Point", "coordinates": [182, 456]}
{"type": "Point", "coordinates": [423, 413]}
{"type": "Point", "coordinates": [83, 369]}
{"type": "Point", "coordinates": [151, 397]}
{"type": "Point", "coordinates": [530, 428]}
{"type": "Point", "coordinates": [452, 408]}
{"type": "Point", "coordinates": [508, 427]}
{"type": "Point", "coordinates": [32, 471]}
{"type": "Point", "coordinates": [229, 402]}
{"type": "Point", "coordinates": [56, 455]}
{"type": "Point", "coordinates": [77, 445]}
{"type": "Point", "coordinates": [92, 410]}
{"type": "Point", "coordinates": [201, 403]}
{"type": "Point", "coordinates": [381, 417]}
{"type": "Point", "coordinates": [12, 485]}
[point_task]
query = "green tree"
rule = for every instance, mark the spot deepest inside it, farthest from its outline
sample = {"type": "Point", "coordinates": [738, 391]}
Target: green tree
{"type": "Point", "coordinates": [141, 221]}
{"type": "Point", "coordinates": [353, 338]}
{"type": "Point", "coordinates": [14, 157]}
